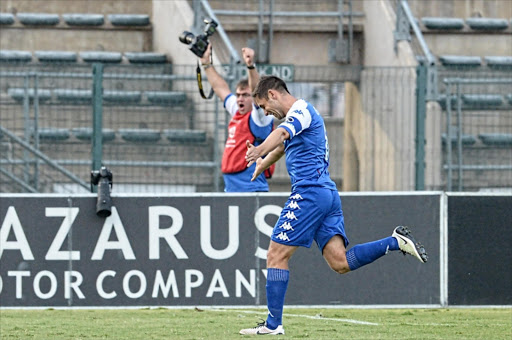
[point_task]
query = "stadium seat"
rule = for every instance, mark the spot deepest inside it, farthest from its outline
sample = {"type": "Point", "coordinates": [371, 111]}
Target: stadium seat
{"type": "Point", "coordinates": [460, 61]}
{"type": "Point", "coordinates": [482, 100]}
{"type": "Point", "coordinates": [122, 97]}
{"type": "Point", "coordinates": [438, 23]}
{"type": "Point", "coordinates": [129, 19]}
{"type": "Point", "coordinates": [145, 57]}
{"type": "Point", "coordinates": [83, 19]}
{"type": "Point", "coordinates": [166, 97]}
{"type": "Point", "coordinates": [6, 19]}
{"type": "Point", "coordinates": [185, 136]}
{"type": "Point", "coordinates": [73, 96]}
{"type": "Point", "coordinates": [442, 101]}
{"type": "Point", "coordinates": [140, 135]}
{"type": "Point", "coordinates": [465, 139]}
{"type": "Point", "coordinates": [85, 133]}
{"type": "Point", "coordinates": [487, 24]}
{"type": "Point", "coordinates": [101, 57]}
{"type": "Point", "coordinates": [499, 62]}
{"type": "Point", "coordinates": [56, 56]}
{"type": "Point", "coordinates": [53, 134]}
{"type": "Point", "coordinates": [509, 98]}
{"type": "Point", "coordinates": [15, 56]}
{"type": "Point", "coordinates": [39, 19]}
{"type": "Point", "coordinates": [494, 139]}
{"type": "Point", "coordinates": [18, 94]}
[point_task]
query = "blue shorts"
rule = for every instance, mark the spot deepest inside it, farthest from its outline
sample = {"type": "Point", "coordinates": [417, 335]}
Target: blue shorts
{"type": "Point", "coordinates": [310, 213]}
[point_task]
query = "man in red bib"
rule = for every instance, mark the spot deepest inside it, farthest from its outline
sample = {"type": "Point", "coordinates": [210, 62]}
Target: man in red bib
{"type": "Point", "coordinates": [248, 123]}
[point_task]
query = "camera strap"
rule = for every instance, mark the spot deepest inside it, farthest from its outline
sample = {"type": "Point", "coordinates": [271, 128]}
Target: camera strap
{"type": "Point", "coordinates": [200, 82]}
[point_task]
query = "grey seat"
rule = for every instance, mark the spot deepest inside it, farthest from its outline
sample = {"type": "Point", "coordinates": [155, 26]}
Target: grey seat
{"type": "Point", "coordinates": [85, 133]}
{"type": "Point", "coordinates": [73, 96]}
{"type": "Point", "coordinates": [39, 19]}
{"type": "Point", "coordinates": [509, 98]}
{"type": "Point", "coordinates": [15, 56]}
{"type": "Point", "coordinates": [185, 136]}
{"type": "Point", "coordinates": [487, 24]}
{"type": "Point", "coordinates": [129, 19]}
{"type": "Point", "coordinates": [166, 97]}
{"type": "Point", "coordinates": [140, 135]}
{"type": "Point", "coordinates": [460, 61]}
{"type": "Point", "coordinates": [502, 139]}
{"type": "Point", "coordinates": [482, 100]}
{"type": "Point", "coordinates": [145, 57]}
{"type": "Point", "coordinates": [465, 139]}
{"type": "Point", "coordinates": [122, 97]}
{"type": "Point", "coordinates": [56, 56]}
{"type": "Point", "coordinates": [440, 23]}
{"type": "Point", "coordinates": [499, 62]}
{"type": "Point", "coordinates": [83, 19]}
{"type": "Point", "coordinates": [53, 134]}
{"type": "Point", "coordinates": [18, 94]}
{"type": "Point", "coordinates": [100, 56]}
{"type": "Point", "coordinates": [6, 19]}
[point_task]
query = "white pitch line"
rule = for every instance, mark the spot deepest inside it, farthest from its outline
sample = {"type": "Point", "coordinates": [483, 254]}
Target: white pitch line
{"type": "Point", "coordinates": [358, 322]}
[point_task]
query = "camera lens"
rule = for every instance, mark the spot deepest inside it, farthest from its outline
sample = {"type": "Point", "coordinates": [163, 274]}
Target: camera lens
{"type": "Point", "coordinates": [187, 37]}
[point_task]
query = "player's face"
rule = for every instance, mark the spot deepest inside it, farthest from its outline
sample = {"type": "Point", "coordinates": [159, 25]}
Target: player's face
{"type": "Point", "coordinates": [271, 106]}
{"type": "Point", "coordinates": [244, 100]}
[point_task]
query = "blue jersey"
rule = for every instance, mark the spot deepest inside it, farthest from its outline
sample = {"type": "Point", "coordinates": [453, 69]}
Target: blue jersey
{"type": "Point", "coordinates": [307, 149]}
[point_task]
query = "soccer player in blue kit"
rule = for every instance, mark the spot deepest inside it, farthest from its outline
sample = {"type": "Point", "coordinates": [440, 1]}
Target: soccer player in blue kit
{"type": "Point", "coordinates": [313, 210]}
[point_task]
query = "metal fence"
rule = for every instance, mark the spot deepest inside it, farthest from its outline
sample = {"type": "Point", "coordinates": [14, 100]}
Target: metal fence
{"type": "Point", "coordinates": [159, 135]}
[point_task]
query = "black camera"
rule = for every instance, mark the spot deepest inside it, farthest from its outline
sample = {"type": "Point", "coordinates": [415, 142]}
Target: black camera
{"type": "Point", "coordinates": [198, 44]}
{"type": "Point", "coordinates": [103, 179]}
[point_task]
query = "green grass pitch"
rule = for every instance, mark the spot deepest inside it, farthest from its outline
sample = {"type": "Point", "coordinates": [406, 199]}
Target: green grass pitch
{"type": "Point", "coordinates": [299, 323]}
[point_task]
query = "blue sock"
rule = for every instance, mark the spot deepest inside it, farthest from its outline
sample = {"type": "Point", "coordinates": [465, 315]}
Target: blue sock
{"type": "Point", "coordinates": [362, 254]}
{"type": "Point", "coordinates": [277, 283]}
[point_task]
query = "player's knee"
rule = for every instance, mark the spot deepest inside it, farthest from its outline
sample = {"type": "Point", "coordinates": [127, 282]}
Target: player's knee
{"type": "Point", "coordinates": [340, 267]}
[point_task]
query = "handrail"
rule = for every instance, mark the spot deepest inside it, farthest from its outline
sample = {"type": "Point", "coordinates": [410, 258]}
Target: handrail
{"type": "Point", "coordinates": [45, 158]}
{"type": "Point", "coordinates": [423, 44]}
{"type": "Point", "coordinates": [209, 11]}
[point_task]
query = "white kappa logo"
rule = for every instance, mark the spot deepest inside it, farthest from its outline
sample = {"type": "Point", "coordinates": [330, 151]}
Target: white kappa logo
{"type": "Point", "coordinates": [293, 205]}
{"type": "Point", "coordinates": [283, 236]}
{"type": "Point", "coordinates": [286, 226]}
{"type": "Point", "coordinates": [290, 215]}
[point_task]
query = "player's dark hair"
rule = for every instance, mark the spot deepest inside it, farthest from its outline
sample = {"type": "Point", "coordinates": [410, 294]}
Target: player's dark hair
{"type": "Point", "coordinates": [269, 83]}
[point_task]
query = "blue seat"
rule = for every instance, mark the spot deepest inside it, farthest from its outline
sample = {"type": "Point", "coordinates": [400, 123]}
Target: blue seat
{"type": "Point", "coordinates": [73, 96]}
{"type": "Point", "coordinates": [498, 62]}
{"type": "Point", "coordinates": [56, 56]}
{"type": "Point", "coordinates": [122, 97]}
{"type": "Point", "coordinates": [166, 97]}
{"type": "Point", "coordinates": [140, 135]}
{"type": "Point", "coordinates": [18, 94]}
{"type": "Point", "coordinates": [85, 133]}
{"type": "Point", "coordinates": [487, 24]}
{"type": "Point", "coordinates": [502, 139]}
{"type": "Point", "coordinates": [129, 19]}
{"type": "Point", "coordinates": [482, 100]}
{"type": "Point", "coordinates": [100, 56]}
{"type": "Point", "coordinates": [15, 56]}
{"type": "Point", "coordinates": [39, 19]}
{"type": "Point", "coordinates": [145, 57]}
{"type": "Point", "coordinates": [53, 134]}
{"type": "Point", "coordinates": [6, 19]}
{"type": "Point", "coordinates": [439, 23]}
{"type": "Point", "coordinates": [83, 19]}
{"type": "Point", "coordinates": [460, 61]}
{"type": "Point", "coordinates": [185, 136]}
